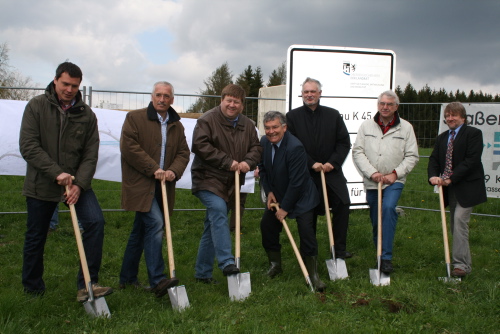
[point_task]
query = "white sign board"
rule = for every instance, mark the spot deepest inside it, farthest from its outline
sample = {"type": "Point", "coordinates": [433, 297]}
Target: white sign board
{"type": "Point", "coordinates": [485, 117]}
{"type": "Point", "coordinates": [352, 79]}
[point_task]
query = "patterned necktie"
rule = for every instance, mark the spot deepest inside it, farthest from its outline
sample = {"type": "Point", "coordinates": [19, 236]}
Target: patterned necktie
{"type": "Point", "coordinates": [449, 155]}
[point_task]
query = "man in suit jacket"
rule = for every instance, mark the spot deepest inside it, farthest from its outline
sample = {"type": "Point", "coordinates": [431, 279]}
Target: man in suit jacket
{"type": "Point", "coordinates": [324, 135]}
{"type": "Point", "coordinates": [463, 180]}
{"type": "Point", "coordinates": [286, 180]}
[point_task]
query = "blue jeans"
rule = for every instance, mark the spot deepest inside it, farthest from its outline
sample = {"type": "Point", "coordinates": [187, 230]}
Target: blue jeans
{"type": "Point", "coordinates": [390, 198]}
{"type": "Point", "coordinates": [39, 214]}
{"type": "Point", "coordinates": [54, 221]}
{"type": "Point", "coordinates": [147, 235]}
{"type": "Point", "coordinates": [216, 239]}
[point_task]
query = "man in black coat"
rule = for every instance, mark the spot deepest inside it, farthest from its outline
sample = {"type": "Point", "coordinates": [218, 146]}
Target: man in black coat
{"type": "Point", "coordinates": [324, 135]}
{"type": "Point", "coordinates": [462, 179]}
{"type": "Point", "coordinates": [285, 179]}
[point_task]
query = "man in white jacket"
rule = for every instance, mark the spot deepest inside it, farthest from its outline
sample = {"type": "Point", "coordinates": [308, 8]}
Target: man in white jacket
{"type": "Point", "coordinates": [385, 151]}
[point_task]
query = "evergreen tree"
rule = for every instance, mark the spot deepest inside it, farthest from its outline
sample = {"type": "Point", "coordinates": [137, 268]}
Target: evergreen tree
{"type": "Point", "coordinates": [214, 84]}
{"type": "Point", "coordinates": [278, 76]}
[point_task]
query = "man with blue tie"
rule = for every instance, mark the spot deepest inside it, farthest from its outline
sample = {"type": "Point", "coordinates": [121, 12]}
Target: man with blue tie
{"type": "Point", "coordinates": [455, 164]}
{"type": "Point", "coordinates": [286, 180]}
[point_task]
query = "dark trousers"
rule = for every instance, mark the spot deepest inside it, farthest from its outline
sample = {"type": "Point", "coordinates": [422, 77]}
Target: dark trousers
{"type": "Point", "coordinates": [39, 214]}
{"type": "Point", "coordinates": [271, 228]}
{"type": "Point", "coordinates": [340, 219]}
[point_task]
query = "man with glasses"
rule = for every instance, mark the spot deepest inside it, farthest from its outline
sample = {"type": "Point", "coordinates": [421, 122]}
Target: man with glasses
{"type": "Point", "coordinates": [324, 135]}
{"type": "Point", "coordinates": [385, 151]}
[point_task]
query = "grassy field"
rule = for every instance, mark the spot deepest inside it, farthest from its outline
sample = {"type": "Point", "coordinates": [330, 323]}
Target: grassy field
{"type": "Point", "coordinates": [414, 302]}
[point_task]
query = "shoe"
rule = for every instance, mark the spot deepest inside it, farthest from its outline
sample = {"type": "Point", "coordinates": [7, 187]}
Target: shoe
{"type": "Point", "coordinates": [230, 269]}
{"type": "Point", "coordinates": [162, 287]}
{"type": "Point", "coordinates": [386, 266]}
{"type": "Point", "coordinates": [210, 281]}
{"type": "Point", "coordinates": [457, 272]}
{"type": "Point", "coordinates": [99, 291]}
{"type": "Point", "coordinates": [34, 293]}
{"type": "Point", "coordinates": [136, 285]}
{"type": "Point", "coordinates": [274, 264]}
{"type": "Point", "coordinates": [343, 255]}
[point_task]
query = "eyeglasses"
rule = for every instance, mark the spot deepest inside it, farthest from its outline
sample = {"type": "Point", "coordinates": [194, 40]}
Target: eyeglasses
{"type": "Point", "coordinates": [391, 104]}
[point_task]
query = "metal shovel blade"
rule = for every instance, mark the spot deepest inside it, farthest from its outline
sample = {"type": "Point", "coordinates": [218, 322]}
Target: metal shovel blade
{"type": "Point", "coordinates": [239, 286]}
{"type": "Point", "coordinates": [97, 308]}
{"type": "Point", "coordinates": [449, 279]}
{"type": "Point", "coordinates": [378, 278]}
{"type": "Point", "coordinates": [178, 297]}
{"type": "Point", "coordinates": [337, 269]}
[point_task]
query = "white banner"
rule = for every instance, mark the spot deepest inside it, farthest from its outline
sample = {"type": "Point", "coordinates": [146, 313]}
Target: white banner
{"type": "Point", "coordinates": [110, 127]}
{"type": "Point", "coordinates": [485, 117]}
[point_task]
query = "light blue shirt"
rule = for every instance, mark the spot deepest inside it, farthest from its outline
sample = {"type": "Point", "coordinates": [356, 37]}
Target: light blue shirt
{"type": "Point", "coordinates": [456, 132]}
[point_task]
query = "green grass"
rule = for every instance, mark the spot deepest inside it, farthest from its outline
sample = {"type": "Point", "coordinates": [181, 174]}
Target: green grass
{"type": "Point", "coordinates": [414, 302]}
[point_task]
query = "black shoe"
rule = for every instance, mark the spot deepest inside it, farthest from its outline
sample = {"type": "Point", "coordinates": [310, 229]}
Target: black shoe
{"type": "Point", "coordinates": [34, 293]}
{"type": "Point", "coordinates": [343, 255]}
{"type": "Point", "coordinates": [210, 281]}
{"type": "Point", "coordinates": [161, 289]}
{"type": "Point", "coordinates": [230, 269]}
{"type": "Point", "coordinates": [386, 267]}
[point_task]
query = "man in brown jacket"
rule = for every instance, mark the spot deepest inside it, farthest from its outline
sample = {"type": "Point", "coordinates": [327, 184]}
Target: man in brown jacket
{"type": "Point", "coordinates": [224, 141]}
{"type": "Point", "coordinates": [153, 148]}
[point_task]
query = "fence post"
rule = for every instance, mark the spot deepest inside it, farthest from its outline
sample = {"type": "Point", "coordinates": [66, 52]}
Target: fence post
{"type": "Point", "coordinates": [90, 97]}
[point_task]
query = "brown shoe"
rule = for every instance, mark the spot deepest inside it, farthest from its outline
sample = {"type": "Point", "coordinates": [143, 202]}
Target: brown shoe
{"type": "Point", "coordinates": [99, 291]}
{"type": "Point", "coordinates": [161, 289]}
{"type": "Point", "coordinates": [457, 272]}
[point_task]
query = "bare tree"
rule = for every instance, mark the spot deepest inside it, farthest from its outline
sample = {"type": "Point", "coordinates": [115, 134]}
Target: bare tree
{"type": "Point", "coordinates": [10, 77]}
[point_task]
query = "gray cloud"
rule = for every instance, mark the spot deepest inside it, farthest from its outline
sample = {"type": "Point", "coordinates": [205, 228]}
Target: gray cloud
{"type": "Point", "coordinates": [447, 43]}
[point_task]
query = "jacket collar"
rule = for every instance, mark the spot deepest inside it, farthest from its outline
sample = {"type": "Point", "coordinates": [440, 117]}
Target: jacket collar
{"type": "Point", "coordinates": [396, 115]}
{"type": "Point", "coordinates": [173, 116]}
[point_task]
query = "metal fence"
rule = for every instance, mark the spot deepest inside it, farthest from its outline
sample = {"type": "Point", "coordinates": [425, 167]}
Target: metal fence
{"type": "Point", "coordinates": [424, 117]}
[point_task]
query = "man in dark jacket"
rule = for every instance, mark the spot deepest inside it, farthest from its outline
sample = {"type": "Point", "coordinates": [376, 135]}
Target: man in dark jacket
{"type": "Point", "coordinates": [285, 178]}
{"type": "Point", "coordinates": [326, 140]}
{"type": "Point", "coordinates": [59, 140]}
{"type": "Point", "coordinates": [153, 148]}
{"type": "Point", "coordinates": [455, 164]}
{"type": "Point", "coordinates": [224, 142]}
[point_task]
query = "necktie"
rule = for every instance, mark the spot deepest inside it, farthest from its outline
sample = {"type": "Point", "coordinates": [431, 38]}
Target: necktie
{"type": "Point", "coordinates": [276, 147]}
{"type": "Point", "coordinates": [449, 155]}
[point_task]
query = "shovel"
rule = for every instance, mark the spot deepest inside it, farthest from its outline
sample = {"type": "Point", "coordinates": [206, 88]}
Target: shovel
{"type": "Point", "coordinates": [295, 249]}
{"type": "Point", "coordinates": [96, 307]}
{"type": "Point", "coordinates": [336, 267]}
{"type": "Point", "coordinates": [447, 279]}
{"type": "Point", "coordinates": [376, 276]}
{"type": "Point", "coordinates": [239, 284]}
{"type": "Point", "coordinates": [177, 294]}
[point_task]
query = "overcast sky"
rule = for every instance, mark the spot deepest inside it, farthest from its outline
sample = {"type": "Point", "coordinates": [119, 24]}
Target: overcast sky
{"type": "Point", "coordinates": [130, 44]}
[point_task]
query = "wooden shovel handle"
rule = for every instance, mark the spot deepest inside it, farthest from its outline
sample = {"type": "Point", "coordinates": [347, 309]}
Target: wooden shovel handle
{"type": "Point", "coordinates": [294, 246]}
{"type": "Point", "coordinates": [79, 243]}
{"type": "Point", "coordinates": [237, 216]}
{"type": "Point", "coordinates": [443, 223]}
{"type": "Point", "coordinates": [168, 234]}
{"type": "Point", "coordinates": [327, 210]}
{"type": "Point", "coordinates": [379, 219]}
